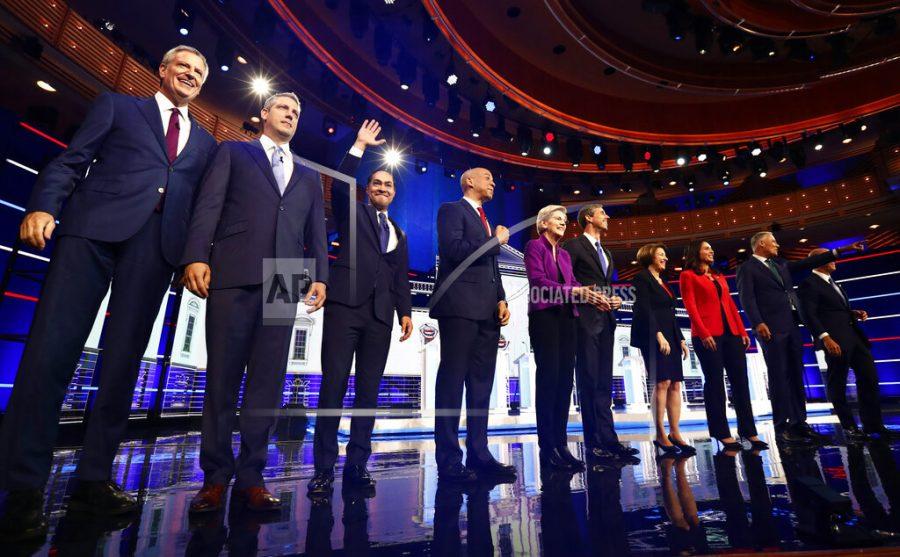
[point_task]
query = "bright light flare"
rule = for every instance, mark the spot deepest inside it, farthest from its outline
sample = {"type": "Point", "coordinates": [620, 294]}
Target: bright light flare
{"type": "Point", "coordinates": [261, 86]}
{"type": "Point", "coordinates": [392, 157]}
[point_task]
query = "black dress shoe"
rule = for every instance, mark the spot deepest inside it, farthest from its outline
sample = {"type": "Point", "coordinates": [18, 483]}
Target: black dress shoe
{"type": "Point", "coordinates": [553, 459]}
{"type": "Point", "coordinates": [23, 516]}
{"type": "Point", "coordinates": [491, 467]}
{"type": "Point", "coordinates": [792, 437]}
{"type": "Point", "coordinates": [600, 453]}
{"type": "Point", "coordinates": [619, 450]}
{"type": "Point", "coordinates": [320, 486]}
{"type": "Point", "coordinates": [457, 473]}
{"type": "Point", "coordinates": [570, 458]}
{"type": "Point", "coordinates": [358, 476]}
{"type": "Point", "coordinates": [807, 430]}
{"type": "Point", "coordinates": [103, 497]}
{"type": "Point", "coordinates": [855, 435]}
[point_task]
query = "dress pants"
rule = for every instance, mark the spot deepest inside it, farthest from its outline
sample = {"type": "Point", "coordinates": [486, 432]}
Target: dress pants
{"type": "Point", "coordinates": [77, 280]}
{"type": "Point", "coordinates": [236, 338]}
{"type": "Point", "coordinates": [859, 357]}
{"type": "Point", "coordinates": [594, 376]}
{"type": "Point", "coordinates": [783, 354]}
{"type": "Point", "coordinates": [468, 358]}
{"type": "Point", "coordinates": [348, 331]}
{"type": "Point", "coordinates": [729, 356]}
{"type": "Point", "coordinates": [552, 333]}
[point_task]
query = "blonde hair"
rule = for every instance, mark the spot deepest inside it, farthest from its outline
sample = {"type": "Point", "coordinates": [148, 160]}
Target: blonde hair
{"type": "Point", "coordinates": [170, 55]}
{"type": "Point", "coordinates": [545, 213]}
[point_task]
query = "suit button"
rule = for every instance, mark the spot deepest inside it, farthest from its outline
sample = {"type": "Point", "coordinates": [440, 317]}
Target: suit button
{"type": "Point", "coordinates": [160, 190]}
{"type": "Point", "coordinates": [171, 169]}
{"type": "Point", "coordinates": [281, 207]}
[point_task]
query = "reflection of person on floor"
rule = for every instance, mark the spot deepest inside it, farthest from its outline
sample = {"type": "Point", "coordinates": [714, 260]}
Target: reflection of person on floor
{"type": "Point", "coordinates": [447, 504]}
{"type": "Point", "coordinates": [356, 524]}
{"type": "Point", "coordinates": [765, 533]}
{"type": "Point", "coordinates": [741, 535]}
{"type": "Point", "coordinates": [559, 526]}
{"type": "Point", "coordinates": [319, 526]}
{"type": "Point", "coordinates": [876, 515]}
{"type": "Point", "coordinates": [605, 521]}
{"type": "Point", "coordinates": [685, 534]}
{"type": "Point", "coordinates": [80, 533]}
{"type": "Point", "coordinates": [241, 537]}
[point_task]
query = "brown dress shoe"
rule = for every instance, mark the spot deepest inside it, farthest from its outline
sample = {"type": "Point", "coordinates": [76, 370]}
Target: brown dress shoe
{"type": "Point", "coordinates": [210, 498]}
{"type": "Point", "coordinates": [257, 498]}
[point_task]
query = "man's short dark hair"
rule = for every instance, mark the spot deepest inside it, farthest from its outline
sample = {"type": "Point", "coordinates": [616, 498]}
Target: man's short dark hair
{"type": "Point", "coordinates": [587, 211]}
{"type": "Point", "coordinates": [376, 171]}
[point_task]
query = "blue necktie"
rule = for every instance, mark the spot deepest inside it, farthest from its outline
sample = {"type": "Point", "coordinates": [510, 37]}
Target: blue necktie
{"type": "Point", "coordinates": [604, 264]}
{"type": "Point", "coordinates": [383, 232]}
{"type": "Point", "coordinates": [278, 168]}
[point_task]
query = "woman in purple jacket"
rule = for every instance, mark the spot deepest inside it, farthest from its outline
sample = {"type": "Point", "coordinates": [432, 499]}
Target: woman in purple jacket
{"type": "Point", "coordinates": [553, 293]}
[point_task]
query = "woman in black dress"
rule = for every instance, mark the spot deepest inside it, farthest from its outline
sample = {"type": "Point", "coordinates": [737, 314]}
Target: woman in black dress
{"type": "Point", "coordinates": [655, 331]}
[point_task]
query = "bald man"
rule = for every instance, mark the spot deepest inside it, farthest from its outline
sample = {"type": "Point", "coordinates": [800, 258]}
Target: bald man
{"type": "Point", "coordinates": [834, 326]}
{"type": "Point", "coordinates": [470, 306]}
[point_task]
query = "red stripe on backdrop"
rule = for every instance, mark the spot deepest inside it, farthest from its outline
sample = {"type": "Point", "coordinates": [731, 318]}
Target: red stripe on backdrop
{"type": "Point", "coordinates": [38, 132]}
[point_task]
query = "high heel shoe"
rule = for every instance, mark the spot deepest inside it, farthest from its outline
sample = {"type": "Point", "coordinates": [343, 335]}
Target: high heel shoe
{"type": "Point", "coordinates": [758, 445]}
{"type": "Point", "coordinates": [732, 446]}
{"type": "Point", "coordinates": [667, 450]}
{"type": "Point", "coordinates": [686, 450]}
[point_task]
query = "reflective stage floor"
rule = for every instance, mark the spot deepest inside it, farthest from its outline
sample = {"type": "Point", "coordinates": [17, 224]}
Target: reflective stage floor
{"type": "Point", "coordinates": [776, 500]}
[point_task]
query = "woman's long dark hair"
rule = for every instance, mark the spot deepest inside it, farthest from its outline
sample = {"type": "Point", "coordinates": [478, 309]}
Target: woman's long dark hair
{"type": "Point", "coordinates": [692, 257]}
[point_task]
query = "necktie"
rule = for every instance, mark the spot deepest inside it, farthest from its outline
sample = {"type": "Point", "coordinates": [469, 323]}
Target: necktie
{"type": "Point", "coordinates": [774, 268]}
{"type": "Point", "coordinates": [604, 263]}
{"type": "Point", "coordinates": [484, 221]}
{"type": "Point", "coordinates": [383, 232]}
{"type": "Point", "coordinates": [278, 168]}
{"type": "Point", "coordinates": [172, 135]}
{"type": "Point", "coordinates": [837, 289]}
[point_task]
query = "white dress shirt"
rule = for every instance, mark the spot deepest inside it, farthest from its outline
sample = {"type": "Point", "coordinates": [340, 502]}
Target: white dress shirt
{"type": "Point", "coordinates": [594, 241]}
{"type": "Point", "coordinates": [827, 278]}
{"type": "Point", "coordinates": [269, 145]}
{"type": "Point", "coordinates": [392, 232]}
{"type": "Point", "coordinates": [165, 112]}
{"type": "Point", "coordinates": [477, 205]}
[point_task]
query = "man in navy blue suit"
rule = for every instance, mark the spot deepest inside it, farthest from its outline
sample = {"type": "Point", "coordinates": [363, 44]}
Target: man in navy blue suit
{"type": "Point", "coordinates": [122, 192]}
{"type": "Point", "coordinates": [358, 321]}
{"type": "Point", "coordinates": [767, 295]}
{"type": "Point", "coordinates": [257, 202]}
{"type": "Point", "coordinates": [470, 306]}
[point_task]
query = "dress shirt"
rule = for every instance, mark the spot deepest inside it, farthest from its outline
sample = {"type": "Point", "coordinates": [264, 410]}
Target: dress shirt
{"type": "Point", "coordinates": [269, 145]}
{"type": "Point", "coordinates": [827, 278]}
{"type": "Point", "coordinates": [392, 232]}
{"type": "Point", "coordinates": [594, 241]}
{"type": "Point", "coordinates": [165, 112]}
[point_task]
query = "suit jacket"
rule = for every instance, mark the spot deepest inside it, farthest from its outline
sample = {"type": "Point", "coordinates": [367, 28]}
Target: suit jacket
{"type": "Point", "coordinates": [766, 299]}
{"type": "Point", "coordinates": [382, 275]}
{"type": "Point", "coordinates": [702, 303]}
{"type": "Point", "coordinates": [825, 311]}
{"type": "Point", "coordinates": [654, 312]}
{"type": "Point", "coordinates": [478, 289]}
{"type": "Point", "coordinates": [543, 276]}
{"type": "Point", "coordinates": [121, 147]}
{"type": "Point", "coordinates": [587, 271]}
{"type": "Point", "coordinates": [241, 218]}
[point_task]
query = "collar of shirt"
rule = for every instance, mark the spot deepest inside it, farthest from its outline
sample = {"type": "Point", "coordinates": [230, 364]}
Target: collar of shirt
{"type": "Point", "coordinates": [269, 145]}
{"type": "Point", "coordinates": [475, 205]}
{"type": "Point", "coordinates": [823, 276]}
{"type": "Point", "coordinates": [165, 107]}
{"type": "Point", "coordinates": [761, 258]}
{"type": "Point", "coordinates": [592, 239]}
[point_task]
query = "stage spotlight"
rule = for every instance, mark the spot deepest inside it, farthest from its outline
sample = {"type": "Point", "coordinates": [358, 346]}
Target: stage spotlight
{"type": "Point", "coordinates": [681, 159]}
{"type": "Point", "coordinates": [449, 173]}
{"type": "Point", "coordinates": [653, 157]}
{"type": "Point", "coordinates": [703, 35]}
{"type": "Point", "coordinates": [676, 21]}
{"type": "Point", "coordinates": [600, 156]}
{"type": "Point", "coordinates": [421, 166]}
{"type": "Point", "coordinates": [489, 103]}
{"type": "Point", "coordinates": [261, 86]}
{"type": "Point", "coordinates": [754, 149]}
{"type": "Point", "coordinates": [453, 106]}
{"type": "Point", "coordinates": [46, 86]}
{"type": "Point", "coordinates": [762, 48]}
{"type": "Point", "coordinates": [224, 54]}
{"type": "Point", "coordinates": [476, 119]}
{"type": "Point", "coordinates": [549, 139]}
{"type": "Point", "coordinates": [725, 175]}
{"type": "Point", "coordinates": [672, 181]}
{"type": "Point", "coordinates": [597, 191]}
{"type": "Point", "coordinates": [597, 148]}
{"type": "Point", "coordinates": [731, 40]}
{"type": "Point", "coordinates": [760, 168]}
{"type": "Point", "coordinates": [703, 154]}
{"type": "Point", "coordinates": [450, 76]}
{"type": "Point", "coordinates": [392, 157]}
{"type": "Point", "coordinates": [406, 70]}
{"type": "Point", "coordinates": [626, 155]}
{"type": "Point", "coordinates": [778, 151]}
{"type": "Point", "coordinates": [183, 19]}
{"type": "Point", "coordinates": [846, 135]}
{"type": "Point", "coordinates": [689, 182]}
{"type": "Point", "coordinates": [818, 142]}
{"type": "Point", "coordinates": [525, 140]}
{"type": "Point", "coordinates": [862, 126]}
{"type": "Point", "coordinates": [329, 126]}
{"type": "Point", "coordinates": [241, 59]}
{"type": "Point", "coordinates": [575, 151]}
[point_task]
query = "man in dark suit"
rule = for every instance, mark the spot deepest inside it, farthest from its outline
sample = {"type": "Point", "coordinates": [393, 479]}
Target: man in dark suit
{"type": "Point", "coordinates": [767, 295]}
{"type": "Point", "coordinates": [835, 329]}
{"type": "Point", "coordinates": [362, 298]}
{"type": "Point", "coordinates": [257, 202]}
{"type": "Point", "coordinates": [470, 305]}
{"type": "Point", "coordinates": [122, 192]}
{"type": "Point", "coordinates": [593, 266]}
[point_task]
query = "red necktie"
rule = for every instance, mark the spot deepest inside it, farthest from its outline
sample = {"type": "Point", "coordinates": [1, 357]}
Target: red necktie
{"type": "Point", "coordinates": [484, 221]}
{"type": "Point", "coordinates": [172, 136]}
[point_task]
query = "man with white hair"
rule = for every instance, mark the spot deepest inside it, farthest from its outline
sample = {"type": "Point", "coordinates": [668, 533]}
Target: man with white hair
{"type": "Point", "coordinates": [767, 295]}
{"type": "Point", "coordinates": [122, 193]}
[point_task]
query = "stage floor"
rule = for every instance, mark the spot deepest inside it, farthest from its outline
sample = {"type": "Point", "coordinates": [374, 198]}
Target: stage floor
{"type": "Point", "coordinates": [706, 504]}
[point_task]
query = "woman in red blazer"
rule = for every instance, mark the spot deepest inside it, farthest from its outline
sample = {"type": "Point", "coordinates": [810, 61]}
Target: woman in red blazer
{"type": "Point", "coordinates": [720, 342]}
